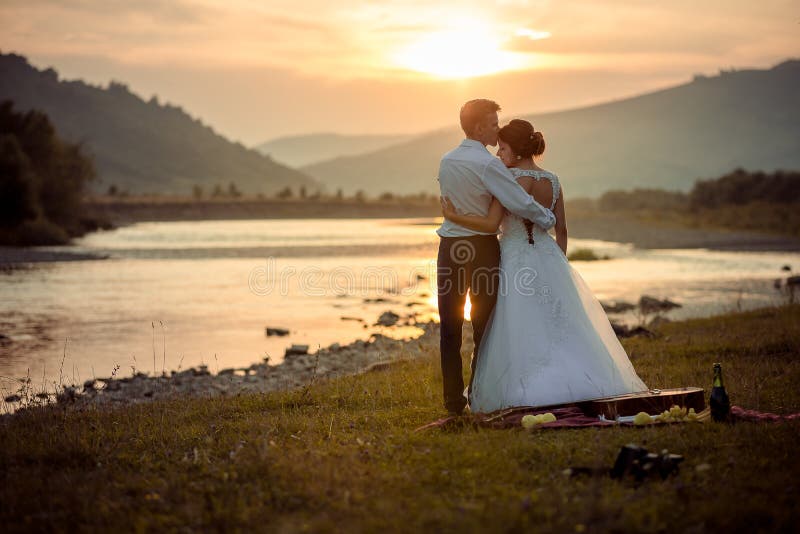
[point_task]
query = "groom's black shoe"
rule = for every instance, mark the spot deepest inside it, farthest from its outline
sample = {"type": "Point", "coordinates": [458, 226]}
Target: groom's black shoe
{"type": "Point", "coordinates": [455, 410]}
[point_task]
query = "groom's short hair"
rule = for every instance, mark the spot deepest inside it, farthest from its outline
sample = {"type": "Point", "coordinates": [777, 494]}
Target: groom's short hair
{"type": "Point", "coordinates": [474, 111]}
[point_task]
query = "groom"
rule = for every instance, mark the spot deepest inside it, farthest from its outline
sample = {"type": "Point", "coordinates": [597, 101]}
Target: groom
{"type": "Point", "coordinates": [468, 260]}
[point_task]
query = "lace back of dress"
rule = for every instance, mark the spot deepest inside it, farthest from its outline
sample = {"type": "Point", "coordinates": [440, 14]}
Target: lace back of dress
{"type": "Point", "coordinates": [538, 175]}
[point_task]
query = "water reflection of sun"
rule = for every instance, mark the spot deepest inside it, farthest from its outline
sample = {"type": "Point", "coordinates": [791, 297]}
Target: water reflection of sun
{"type": "Point", "coordinates": [434, 303]}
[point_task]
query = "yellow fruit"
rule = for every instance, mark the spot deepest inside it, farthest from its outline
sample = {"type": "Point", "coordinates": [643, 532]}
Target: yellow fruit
{"type": "Point", "coordinates": [529, 421]}
{"type": "Point", "coordinates": [642, 418]}
{"type": "Point", "coordinates": [548, 417]}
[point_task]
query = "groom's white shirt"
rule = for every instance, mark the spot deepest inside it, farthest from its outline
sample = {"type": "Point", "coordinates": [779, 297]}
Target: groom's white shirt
{"type": "Point", "coordinates": [470, 176]}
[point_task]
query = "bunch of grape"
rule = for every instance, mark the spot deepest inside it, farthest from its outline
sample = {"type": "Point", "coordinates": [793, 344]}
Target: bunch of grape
{"type": "Point", "coordinates": [677, 414]}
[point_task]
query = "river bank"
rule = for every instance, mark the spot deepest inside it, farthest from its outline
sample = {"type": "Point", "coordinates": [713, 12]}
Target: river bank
{"type": "Point", "coordinates": [295, 371]}
{"type": "Point", "coordinates": [126, 210]}
{"type": "Point", "coordinates": [298, 367]}
{"type": "Point", "coordinates": [648, 234]}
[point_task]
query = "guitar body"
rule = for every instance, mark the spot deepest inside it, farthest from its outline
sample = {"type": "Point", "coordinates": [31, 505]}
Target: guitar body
{"type": "Point", "coordinates": [653, 402]}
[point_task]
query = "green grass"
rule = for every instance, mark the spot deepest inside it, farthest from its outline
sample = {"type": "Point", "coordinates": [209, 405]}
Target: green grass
{"type": "Point", "coordinates": [585, 254]}
{"type": "Point", "coordinates": [342, 454]}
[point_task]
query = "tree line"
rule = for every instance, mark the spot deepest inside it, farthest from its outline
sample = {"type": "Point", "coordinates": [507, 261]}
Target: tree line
{"type": "Point", "coordinates": [737, 188]}
{"type": "Point", "coordinates": [745, 200]}
{"type": "Point", "coordinates": [742, 187]}
{"type": "Point", "coordinates": [232, 191]}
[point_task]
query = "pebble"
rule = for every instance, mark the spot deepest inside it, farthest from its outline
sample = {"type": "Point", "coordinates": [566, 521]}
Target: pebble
{"type": "Point", "coordinates": [387, 318]}
{"type": "Point", "coordinates": [296, 350]}
{"type": "Point", "coordinates": [273, 331]}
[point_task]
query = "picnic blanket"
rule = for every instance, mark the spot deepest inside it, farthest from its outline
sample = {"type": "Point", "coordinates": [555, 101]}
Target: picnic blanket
{"type": "Point", "coordinates": [573, 417]}
{"type": "Point", "coordinates": [740, 414]}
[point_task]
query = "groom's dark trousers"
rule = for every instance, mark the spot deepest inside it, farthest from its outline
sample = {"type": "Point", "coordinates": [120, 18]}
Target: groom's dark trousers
{"type": "Point", "coordinates": [464, 264]}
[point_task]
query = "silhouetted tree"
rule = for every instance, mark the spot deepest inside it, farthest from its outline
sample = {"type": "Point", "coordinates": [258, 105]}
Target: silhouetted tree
{"type": "Point", "coordinates": [46, 178]}
{"type": "Point", "coordinates": [197, 192]}
{"type": "Point", "coordinates": [233, 191]}
{"type": "Point", "coordinates": [741, 187]}
{"type": "Point", "coordinates": [18, 200]}
{"type": "Point", "coordinates": [285, 193]}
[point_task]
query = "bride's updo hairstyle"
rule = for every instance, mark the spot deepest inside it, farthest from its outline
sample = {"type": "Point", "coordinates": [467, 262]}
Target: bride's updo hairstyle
{"type": "Point", "coordinates": [523, 139]}
{"type": "Point", "coordinates": [526, 142]}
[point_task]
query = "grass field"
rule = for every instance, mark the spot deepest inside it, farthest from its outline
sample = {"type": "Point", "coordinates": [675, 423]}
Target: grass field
{"type": "Point", "coordinates": [342, 454]}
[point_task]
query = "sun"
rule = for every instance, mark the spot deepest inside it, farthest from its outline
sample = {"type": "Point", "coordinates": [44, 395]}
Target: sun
{"type": "Point", "coordinates": [466, 50]}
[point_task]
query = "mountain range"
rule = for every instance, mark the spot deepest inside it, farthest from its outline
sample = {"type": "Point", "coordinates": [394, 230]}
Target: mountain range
{"type": "Point", "coordinates": [665, 139]}
{"type": "Point", "coordinates": [141, 146]}
{"type": "Point", "coordinates": [300, 150]}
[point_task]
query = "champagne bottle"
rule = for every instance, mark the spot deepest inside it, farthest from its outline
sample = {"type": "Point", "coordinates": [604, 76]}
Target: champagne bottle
{"type": "Point", "coordinates": [719, 402]}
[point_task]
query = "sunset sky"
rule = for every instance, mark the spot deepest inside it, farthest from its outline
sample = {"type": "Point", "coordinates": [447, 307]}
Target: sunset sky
{"type": "Point", "coordinates": [257, 70]}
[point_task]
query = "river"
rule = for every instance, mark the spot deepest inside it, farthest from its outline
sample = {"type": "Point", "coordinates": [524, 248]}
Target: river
{"type": "Point", "coordinates": [173, 295]}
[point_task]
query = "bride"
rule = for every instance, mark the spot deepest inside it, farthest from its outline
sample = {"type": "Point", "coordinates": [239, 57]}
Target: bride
{"type": "Point", "coordinates": [549, 340]}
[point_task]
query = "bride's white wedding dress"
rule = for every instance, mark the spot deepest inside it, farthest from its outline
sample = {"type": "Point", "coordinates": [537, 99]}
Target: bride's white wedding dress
{"type": "Point", "coordinates": [549, 340]}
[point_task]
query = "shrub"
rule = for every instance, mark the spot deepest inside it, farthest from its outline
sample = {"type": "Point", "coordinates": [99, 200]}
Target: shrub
{"type": "Point", "coordinates": [585, 254]}
{"type": "Point", "coordinates": [42, 181]}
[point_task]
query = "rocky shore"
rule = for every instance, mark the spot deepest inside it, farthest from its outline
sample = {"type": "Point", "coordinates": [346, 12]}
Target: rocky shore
{"type": "Point", "coordinates": [298, 368]}
{"type": "Point", "coordinates": [295, 371]}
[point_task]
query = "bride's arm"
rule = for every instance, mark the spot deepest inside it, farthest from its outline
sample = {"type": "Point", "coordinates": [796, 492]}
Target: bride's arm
{"type": "Point", "coordinates": [561, 223]}
{"type": "Point", "coordinates": [488, 224]}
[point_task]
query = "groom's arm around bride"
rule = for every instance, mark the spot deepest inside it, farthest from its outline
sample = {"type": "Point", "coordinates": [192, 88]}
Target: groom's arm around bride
{"type": "Point", "coordinates": [470, 176]}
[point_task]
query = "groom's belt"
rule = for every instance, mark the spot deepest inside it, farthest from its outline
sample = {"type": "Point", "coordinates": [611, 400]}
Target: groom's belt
{"type": "Point", "coordinates": [476, 237]}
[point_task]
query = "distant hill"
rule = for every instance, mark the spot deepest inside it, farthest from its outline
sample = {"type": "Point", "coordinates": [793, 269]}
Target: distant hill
{"type": "Point", "coordinates": [300, 150]}
{"type": "Point", "coordinates": [141, 146]}
{"type": "Point", "coordinates": [666, 139]}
